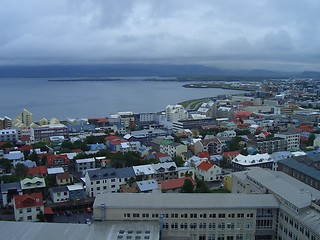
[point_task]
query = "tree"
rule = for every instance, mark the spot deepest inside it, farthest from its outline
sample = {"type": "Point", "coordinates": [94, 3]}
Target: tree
{"type": "Point", "coordinates": [6, 164]}
{"type": "Point", "coordinates": [34, 157]}
{"type": "Point", "coordinates": [187, 186]}
{"type": "Point", "coordinates": [178, 160]}
{"type": "Point", "coordinates": [233, 145]}
{"type": "Point", "coordinates": [21, 170]}
{"type": "Point", "coordinates": [244, 152]}
{"type": "Point", "coordinates": [41, 217]}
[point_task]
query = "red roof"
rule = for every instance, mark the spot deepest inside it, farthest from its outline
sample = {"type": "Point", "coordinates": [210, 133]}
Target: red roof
{"type": "Point", "coordinates": [205, 165]}
{"type": "Point", "coordinates": [2, 143]}
{"type": "Point", "coordinates": [64, 175]}
{"type": "Point", "coordinates": [25, 148]}
{"type": "Point", "coordinates": [243, 114]}
{"type": "Point", "coordinates": [160, 155]}
{"type": "Point", "coordinates": [116, 142]}
{"type": "Point", "coordinates": [37, 170]}
{"type": "Point", "coordinates": [25, 138]}
{"type": "Point", "coordinates": [175, 183]}
{"type": "Point", "coordinates": [230, 154]}
{"type": "Point", "coordinates": [204, 155]}
{"type": "Point", "coordinates": [26, 200]}
{"type": "Point", "coordinates": [77, 151]}
{"type": "Point", "coordinates": [48, 211]}
{"type": "Point", "coordinates": [111, 137]}
{"type": "Point", "coordinates": [303, 138]}
{"type": "Point", "coordinates": [51, 159]}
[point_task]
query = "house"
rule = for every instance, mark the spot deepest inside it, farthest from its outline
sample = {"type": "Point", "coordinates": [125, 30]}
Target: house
{"type": "Point", "coordinates": [8, 191]}
{"type": "Point", "coordinates": [35, 184]}
{"type": "Point", "coordinates": [82, 165]}
{"type": "Point", "coordinates": [58, 161]}
{"type": "Point", "coordinates": [227, 133]}
{"type": "Point", "coordinates": [76, 192]}
{"type": "Point", "coordinates": [27, 207]}
{"type": "Point", "coordinates": [230, 155]}
{"type": "Point", "coordinates": [14, 156]}
{"type": "Point", "coordinates": [175, 185]}
{"type": "Point", "coordinates": [212, 146]}
{"type": "Point", "coordinates": [208, 172]}
{"type": "Point", "coordinates": [146, 185]}
{"type": "Point", "coordinates": [39, 171]}
{"type": "Point", "coordinates": [64, 178]}
{"type": "Point", "coordinates": [59, 194]}
{"type": "Point", "coordinates": [163, 157]}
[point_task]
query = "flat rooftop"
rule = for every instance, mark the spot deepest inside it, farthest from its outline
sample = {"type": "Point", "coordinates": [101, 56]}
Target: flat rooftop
{"type": "Point", "coordinates": [109, 230]}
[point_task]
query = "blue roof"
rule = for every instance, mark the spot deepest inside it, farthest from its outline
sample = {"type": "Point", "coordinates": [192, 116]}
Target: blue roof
{"type": "Point", "coordinates": [305, 164]}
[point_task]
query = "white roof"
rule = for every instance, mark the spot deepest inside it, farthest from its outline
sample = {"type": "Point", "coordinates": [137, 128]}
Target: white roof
{"type": "Point", "coordinates": [125, 145]}
{"type": "Point", "coordinates": [55, 170]}
{"type": "Point", "coordinates": [147, 185]}
{"type": "Point", "coordinates": [143, 169]}
{"type": "Point", "coordinates": [75, 187]}
{"type": "Point", "coordinates": [86, 160]}
{"type": "Point", "coordinates": [252, 159]}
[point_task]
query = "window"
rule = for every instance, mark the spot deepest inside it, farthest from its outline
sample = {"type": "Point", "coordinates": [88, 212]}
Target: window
{"type": "Point", "coordinates": [212, 215]}
{"type": "Point", "coordinates": [38, 209]}
{"type": "Point", "coordinates": [193, 215]}
{"type": "Point", "coordinates": [222, 215]}
{"type": "Point", "coordinates": [221, 226]}
{"type": "Point", "coordinates": [29, 217]}
{"type": "Point", "coordinates": [184, 215]}
{"type": "Point", "coordinates": [240, 215]}
{"type": "Point", "coordinates": [20, 211]}
{"type": "Point", "coordinates": [231, 215]}
{"type": "Point", "coordinates": [127, 215]}
{"type": "Point", "coordinates": [174, 215]}
{"type": "Point", "coordinates": [184, 226]}
{"type": "Point", "coordinates": [203, 215]}
{"type": "Point", "coordinates": [212, 226]}
{"type": "Point", "coordinates": [136, 215]}
{"type": "Point", "coordinates": [202, 225]}
{"type": "Point", "coordinates": [28, 209]}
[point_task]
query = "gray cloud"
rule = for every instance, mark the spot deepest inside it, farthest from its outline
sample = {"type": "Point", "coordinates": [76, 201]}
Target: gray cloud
{"type": "Point", "coordinates": [260, 33]}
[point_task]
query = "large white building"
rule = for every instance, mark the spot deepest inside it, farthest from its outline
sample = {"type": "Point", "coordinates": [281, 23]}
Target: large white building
{"type": "Point", "coordinates": [293, 140]}
{"type": "Point", "coordinates": [193, 216]}
{"type": "Point", "coordinates": [175, 113]}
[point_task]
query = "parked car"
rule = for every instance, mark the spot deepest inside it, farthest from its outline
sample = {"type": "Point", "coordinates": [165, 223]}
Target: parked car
{"type": "Point", "coordinates": [68, 213]}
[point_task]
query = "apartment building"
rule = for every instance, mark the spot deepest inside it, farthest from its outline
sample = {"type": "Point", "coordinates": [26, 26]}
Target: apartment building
{"type": "Point", "coordinates": [106, 180]}
{"type": "Point", "coordinates": [212, 146]}
{"type": "Point", "coordinates": [47, 131]}
{"type": "Point", "coordinates": [270, 145]}
{"type": "Point", "coordinates": [172, 148]}
{"type": "Point", "coordinates": [293, 140]}
{"type": "Point", "coordinates": [8, 135]}
{"type": "Point", "coordinates": [176, 112]}
{"type": "Point", "coordinates": [193, 216]}
{"type": "Point", "coordinates": [242, 162]}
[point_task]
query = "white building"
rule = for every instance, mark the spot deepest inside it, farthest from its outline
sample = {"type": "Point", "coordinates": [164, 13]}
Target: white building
{"type": "Point", "coordinates": [8, 135]}
{"type": "Point", "coordinates": [175, 113]}
{"type": "Point", "coordinates": [83, 165]}
{"type": "Point", "coordinates": [293, 140]}
{"type": "Point", "coordinates": [59, 194]}
{"type": "Point", "coordinates": [106, 180]}
{"type": "Point", "coordinates": [208, 172]}
{"type": "Point", "coordinates": [27, 207]}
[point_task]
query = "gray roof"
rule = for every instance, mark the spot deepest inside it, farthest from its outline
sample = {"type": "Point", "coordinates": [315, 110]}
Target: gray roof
{"type": "Point", "coordinates": [59, 189]}
{"type": "Point", "coordinates": [69, 231]}
{"type": "Point", "coordinates": [147, 185]}
{"type": "Point", "coordinates": [9, 186]}
{"type": "Point", "coordinates": [186, 200]}
{"type": "Point", "coordinates": [282, 185]}
{"type": "Point", "coordinates": [107, 173]}
{"type": "Point", "coordinates": [304, 164]}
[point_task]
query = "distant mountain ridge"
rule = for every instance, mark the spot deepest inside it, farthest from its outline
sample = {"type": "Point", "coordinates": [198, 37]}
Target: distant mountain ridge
{"type": "Point", "coordinates": [139, 70]}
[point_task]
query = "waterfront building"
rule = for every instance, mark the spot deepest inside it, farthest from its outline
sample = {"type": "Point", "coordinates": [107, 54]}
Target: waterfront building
{"type": "Point", "coordinates": [176, 112]}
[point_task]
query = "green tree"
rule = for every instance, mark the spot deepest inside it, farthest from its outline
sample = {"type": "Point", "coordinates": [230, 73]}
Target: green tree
{"type": "Point", "coordinates": [21, 170]}
{"type": "Point", "coordinates": [6, 164]}
{"type": "Point", "coordinates": [233, 145]}
{"type": "Point", "coordinates": [187, 186]}
{"type": "Point", "coordinates": [178, 160]}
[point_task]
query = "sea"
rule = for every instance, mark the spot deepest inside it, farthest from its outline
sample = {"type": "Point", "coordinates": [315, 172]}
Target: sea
{"type": "Point", "coordinates": [92, 99]}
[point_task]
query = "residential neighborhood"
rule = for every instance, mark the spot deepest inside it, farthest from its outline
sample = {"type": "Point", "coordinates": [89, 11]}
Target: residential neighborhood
{"type": "Point", "coordinates": [50, 167]}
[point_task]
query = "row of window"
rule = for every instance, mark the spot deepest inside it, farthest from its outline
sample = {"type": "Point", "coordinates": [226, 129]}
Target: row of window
{"type": "Point", "coordinates": [192, 215]}
{"type": "Point", "coordinates": [205, 226]}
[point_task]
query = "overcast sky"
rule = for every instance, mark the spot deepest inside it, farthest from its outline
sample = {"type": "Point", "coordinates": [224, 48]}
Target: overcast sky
{"type": "Point", "coordinates": [270, 34]}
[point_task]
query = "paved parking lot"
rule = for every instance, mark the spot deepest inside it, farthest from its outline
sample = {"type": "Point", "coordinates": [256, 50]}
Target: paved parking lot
{"type": "Point", "coordinates": [76, 217]}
